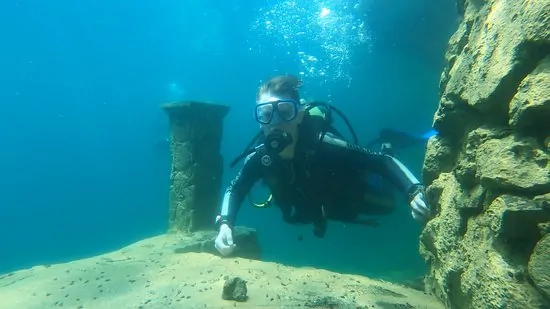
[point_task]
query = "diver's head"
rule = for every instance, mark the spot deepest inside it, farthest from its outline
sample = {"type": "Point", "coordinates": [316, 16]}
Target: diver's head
{"type": "Point", "coordinates": [278, 109]}
{"type": "Point", "coordinates": [278, 105]}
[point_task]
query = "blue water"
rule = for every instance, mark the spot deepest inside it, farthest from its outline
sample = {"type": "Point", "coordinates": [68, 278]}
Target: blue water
{"type": "Point", "coordinates": [83, 163]}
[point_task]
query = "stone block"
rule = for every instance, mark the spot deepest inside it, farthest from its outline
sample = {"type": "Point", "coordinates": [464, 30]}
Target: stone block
{"type": "Point", "coordinates": [530, 107]}
{"type": "Point", "coordinates": [539, 265]}
{"type": "Point", "coordinates": [487, 246]}
{"type": "Point", "coordinates": [513, 163]}
{"type": "Point", "coordinates": [197, 165]}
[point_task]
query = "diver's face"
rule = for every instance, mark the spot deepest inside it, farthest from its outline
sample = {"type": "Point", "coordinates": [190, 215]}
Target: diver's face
{"type": "Point", "coordinates": [276, 113]}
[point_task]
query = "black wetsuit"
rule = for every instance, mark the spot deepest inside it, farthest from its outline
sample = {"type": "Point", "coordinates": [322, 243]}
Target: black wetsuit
{"type": "Point", "coordinates": [327, 179]}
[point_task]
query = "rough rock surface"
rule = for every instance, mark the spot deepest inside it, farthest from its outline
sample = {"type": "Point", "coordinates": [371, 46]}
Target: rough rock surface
{"type": "Point", "coordinates": [539, 265]}
{"type": "Point", "coordinates": [235, 289]}
{"type": "Point", "coordinates": [488, 171]}
{"type": "Point", "coordinates": [245, 238]}
{"type": "Point", "coordinates": [531, 104]}
{"type": "Point", "coordinates": [149, 274]}
{"type": "Point", "coordinates": [197, 166]}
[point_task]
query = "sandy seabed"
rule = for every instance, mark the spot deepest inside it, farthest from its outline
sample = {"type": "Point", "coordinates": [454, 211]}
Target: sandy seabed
{"type": "Point", "coordinates": [148, 274]}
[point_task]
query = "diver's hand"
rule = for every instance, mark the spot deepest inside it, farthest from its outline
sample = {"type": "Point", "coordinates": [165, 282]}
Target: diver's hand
{"type": "Point", "coordinates": [224, 241]}
{"type": "Point", "coordinates": [420, 209]}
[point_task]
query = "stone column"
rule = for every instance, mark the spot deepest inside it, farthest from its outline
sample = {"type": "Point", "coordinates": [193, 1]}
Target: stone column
{"type": "Point", "coordinates": [488, 171]}
{"type": "Point", "coordinates": [197, 165]}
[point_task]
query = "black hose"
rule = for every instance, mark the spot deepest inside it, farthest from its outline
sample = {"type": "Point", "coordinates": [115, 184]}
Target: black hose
{"type": "Point", "coordinates": [248, 150]}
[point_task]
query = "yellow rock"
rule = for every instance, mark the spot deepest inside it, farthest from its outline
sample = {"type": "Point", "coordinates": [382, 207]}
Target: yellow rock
{"type": "Point", "coordinates": [151, 275]}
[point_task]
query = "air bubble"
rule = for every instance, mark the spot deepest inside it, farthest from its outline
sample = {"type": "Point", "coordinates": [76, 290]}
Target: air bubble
{"type": "Point", "coordinates": [328, 30]}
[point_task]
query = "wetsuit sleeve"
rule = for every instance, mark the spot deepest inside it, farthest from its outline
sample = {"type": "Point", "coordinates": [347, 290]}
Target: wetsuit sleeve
{"type": "Point", "coordinates": [239, 187]}
{"type": "Point", "coordinates": [379, 163]}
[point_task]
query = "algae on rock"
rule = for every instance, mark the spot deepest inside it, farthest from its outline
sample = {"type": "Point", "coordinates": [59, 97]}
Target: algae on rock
{"type": "Point", "coordinates": [530, 107]}
{"type": "Point", "coordinates": [487, 172]}
{"type": "Point", "coordinates": [197, 166]}
{"type": "Point", "coordinates": [197, 169]}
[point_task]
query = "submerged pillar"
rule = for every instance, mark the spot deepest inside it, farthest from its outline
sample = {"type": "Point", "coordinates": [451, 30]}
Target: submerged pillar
{"type": "Point", "coordinates": [197, 165]}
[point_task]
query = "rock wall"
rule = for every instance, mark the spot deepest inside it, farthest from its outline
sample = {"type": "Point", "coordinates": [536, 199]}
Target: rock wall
{"type": "Point", "coordinates": [197, 165]}
{"type": "Point", "coordinates": [488, 171]}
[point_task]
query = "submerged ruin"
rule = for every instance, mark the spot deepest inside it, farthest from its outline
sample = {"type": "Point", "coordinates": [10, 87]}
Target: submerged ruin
{"type": "Point", "coordinates": [487, 172]}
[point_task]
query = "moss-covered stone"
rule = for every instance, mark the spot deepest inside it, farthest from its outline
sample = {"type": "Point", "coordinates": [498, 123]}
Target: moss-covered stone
{"type": "Point", "coordinates": [440, 157]}
{"type": "Point", "coordinates": [543, 201]}
{"type": "Point", "coordinates": [515, 164]}
{"type": "Point", "coordinates": [497, 45]}
{"type": "Point", "coordinates": [530, 107]}
{"type": "Point", "coordinates": [539, 265]}
{"type": "Point", "coordinates": [197, 166]}
{"type": "Point", "coordinates": [487, 173]}
{"type": "Point", "coordinates": [481, 261]}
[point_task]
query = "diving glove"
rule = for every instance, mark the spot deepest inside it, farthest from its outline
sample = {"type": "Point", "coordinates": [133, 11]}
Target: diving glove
{"type": "Point", "coordinates": [224, 241]}
{"type": "Point", "coordinates": [420, 210]}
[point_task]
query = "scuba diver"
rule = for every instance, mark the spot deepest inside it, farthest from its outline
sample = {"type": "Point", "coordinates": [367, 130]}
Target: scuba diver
{"type": "Point", "coordinates": [313, 173]}
{"type": "Point", "coordinates": [391, 140]}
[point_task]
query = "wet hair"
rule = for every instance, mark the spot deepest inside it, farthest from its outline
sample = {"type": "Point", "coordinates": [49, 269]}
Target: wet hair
{"type": "Point", "coordinates": [283, 86]}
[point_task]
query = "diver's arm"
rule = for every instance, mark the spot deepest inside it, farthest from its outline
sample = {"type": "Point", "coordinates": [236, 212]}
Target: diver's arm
{"type": "Point", "coordinates": [382, 164]}
{"type": "Point", "coordinates": [238, 189]}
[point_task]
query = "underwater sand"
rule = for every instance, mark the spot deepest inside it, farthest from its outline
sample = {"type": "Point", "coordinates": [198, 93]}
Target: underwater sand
{"type": "Point", "coordinates": [148, 274]}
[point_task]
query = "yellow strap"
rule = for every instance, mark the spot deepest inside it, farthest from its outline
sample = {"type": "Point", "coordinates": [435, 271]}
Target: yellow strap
{"type": "Point", "coordinates": [260, 205]}
{"type": "Point", "coordinates": [316, 111]}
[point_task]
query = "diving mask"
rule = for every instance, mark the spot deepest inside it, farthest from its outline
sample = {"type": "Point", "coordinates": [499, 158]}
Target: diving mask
{"type": "Point", "coordinates": [277, 111]}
